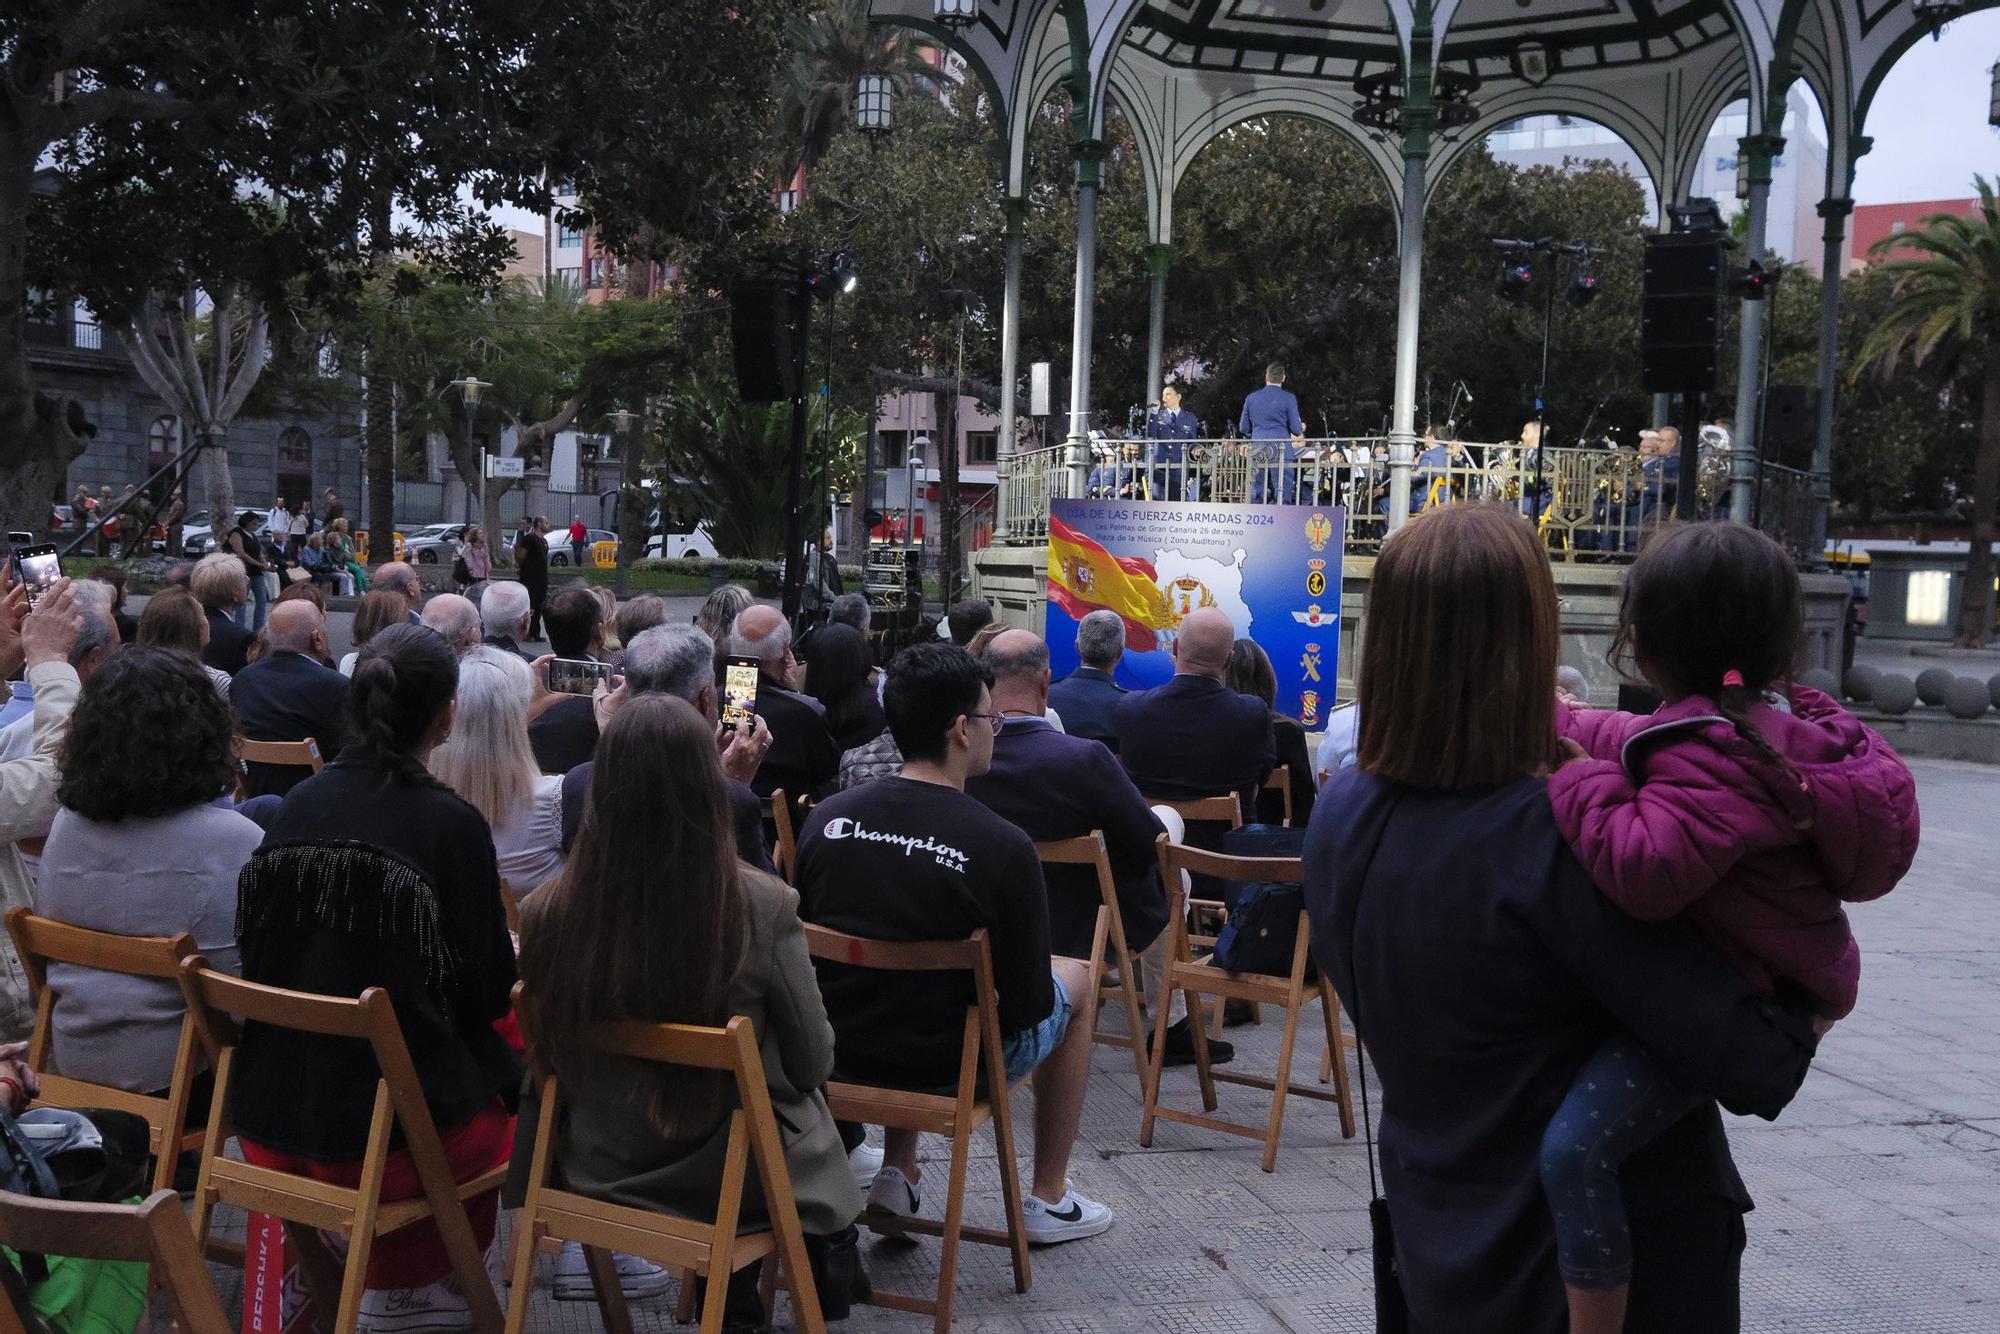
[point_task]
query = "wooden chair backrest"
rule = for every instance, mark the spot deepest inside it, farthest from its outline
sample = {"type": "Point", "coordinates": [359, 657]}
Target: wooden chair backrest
{"type": "Point", "coordinates": [1212, 810]}
{"type": "Point", "coordinates": [1280, 781]}
{"type": "Point", "coordinates": [787, 850]}
{"type": "Point", "coordinates": [154, 1231]}
{"type": "Point", "coordinates": [293, 754]}
{"type": "Point", "coordinates": [1176, 857]}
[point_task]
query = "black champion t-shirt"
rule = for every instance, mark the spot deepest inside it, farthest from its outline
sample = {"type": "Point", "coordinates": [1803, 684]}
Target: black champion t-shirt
{"type": "Point", "coordinates": [898, 859]}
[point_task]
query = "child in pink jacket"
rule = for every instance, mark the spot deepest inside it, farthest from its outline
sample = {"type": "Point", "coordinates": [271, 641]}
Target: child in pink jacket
{"type": "Point", "coordinates": [1755, 815]}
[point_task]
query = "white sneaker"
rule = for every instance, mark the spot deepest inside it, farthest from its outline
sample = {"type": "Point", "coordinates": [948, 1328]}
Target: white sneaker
{"type": "Point", "coordinates": [637, 1279]}
{"type": "Point", "coordinates": [864, 1162]}
{"type": "Point", "coordinates": [893, 1195]}
{"type": "Point", "coordinates": [1071, 1218]}
{"type": "Point", "coordinates": [428, 1310]}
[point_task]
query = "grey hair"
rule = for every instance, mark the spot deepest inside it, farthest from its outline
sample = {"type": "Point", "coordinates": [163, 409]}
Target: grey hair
{"type": "Point", "coordinates": [670, 659]}
{"type": "Point", "coordinates": [1030, 661]}
{"type": "Point", "coordinates": [502, 607]}
{"type": "Point", "coordinates": [93, 599]}
{"type": "Point", "coordinates": [1100, 639]}
{"type": "Point", "coordinates": [452, 616]}
{"type": "Point", "coordinates": [771, 648]}
{"type": "Point", "coordinates": [851, 609]}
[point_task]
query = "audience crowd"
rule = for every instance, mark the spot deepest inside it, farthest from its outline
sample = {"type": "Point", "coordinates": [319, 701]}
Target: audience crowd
{"type": "Point", "coordinates": [630, 832]}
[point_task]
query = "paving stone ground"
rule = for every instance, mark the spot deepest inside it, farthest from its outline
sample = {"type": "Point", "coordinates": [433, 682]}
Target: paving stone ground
{"type": "Point", "coordinates": [1878, 1192]}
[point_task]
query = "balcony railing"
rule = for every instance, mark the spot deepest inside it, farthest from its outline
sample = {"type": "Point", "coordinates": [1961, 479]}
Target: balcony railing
{"type": "Point", "coordinates": [1589, 504]}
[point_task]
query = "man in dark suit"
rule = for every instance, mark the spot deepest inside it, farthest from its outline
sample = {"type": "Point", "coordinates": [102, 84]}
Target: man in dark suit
{"type": "Point", "coordinates": [566, 735]}
{"type": "Point", "coordinates": [803, 759]}
{"type": "Point", "coordinates": [1051, 786]}
{"type": "Point", "coordinates": [1271, 416]}
{"type": "Point", "coordinates": [1167, 428]}
{"type": "Point", "coordinates": [1086, 699]}
{"type": "Point", "coordinates": [680, 660]}
{"type": "Point", "coordinates": [503, 614]}
{"type": "Point", "coordinates": [290, 695]}
{"type": "Point", "coordinates": [1194, 736]}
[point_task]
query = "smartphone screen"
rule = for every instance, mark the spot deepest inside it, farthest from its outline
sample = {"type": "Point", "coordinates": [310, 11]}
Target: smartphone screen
{"type": "Point", "coordinates": [576, 676]}
{"type": "Point", "coordinates": [37, 567]}
{"type": "Point", "coordinates": [739, 691]}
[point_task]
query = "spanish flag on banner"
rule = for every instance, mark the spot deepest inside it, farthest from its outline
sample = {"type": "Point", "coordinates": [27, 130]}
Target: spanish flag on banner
{"type": "Point", "coordinates": [1084, 577]}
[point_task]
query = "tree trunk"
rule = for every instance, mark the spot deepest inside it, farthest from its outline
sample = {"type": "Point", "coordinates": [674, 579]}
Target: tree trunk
{"type": "Point", "coordinates": [381, 405]}
{"type": "Point", "coordinates": [1975, 611]}
{"type": "Point", "coordinates": [219, 488]}
{"type": "Point", "coordinates": [39, 434]}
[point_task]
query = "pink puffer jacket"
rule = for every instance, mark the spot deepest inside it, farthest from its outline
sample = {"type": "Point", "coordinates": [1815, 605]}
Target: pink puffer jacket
{"type": "Point", "coordinates": [1676, 812]}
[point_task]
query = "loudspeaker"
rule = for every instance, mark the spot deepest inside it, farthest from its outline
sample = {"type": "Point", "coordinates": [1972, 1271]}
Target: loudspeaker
{"type": "Point", "coordinates": [768, 320]}
{"type": "Point", "coordinates": [1791, 412]}
{"type": "Point", "coordinates": [1679, 325]}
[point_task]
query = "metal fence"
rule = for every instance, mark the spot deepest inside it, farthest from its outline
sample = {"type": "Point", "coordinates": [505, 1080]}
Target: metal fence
{"type": "Point", "coordinates": [1589, 504]}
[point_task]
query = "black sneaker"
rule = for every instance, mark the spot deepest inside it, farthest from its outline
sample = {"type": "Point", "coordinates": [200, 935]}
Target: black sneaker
{"type": "Point", "coordinates": [1180, 1047]}
{"type": "Point", "coordinates": [1237, 1013]}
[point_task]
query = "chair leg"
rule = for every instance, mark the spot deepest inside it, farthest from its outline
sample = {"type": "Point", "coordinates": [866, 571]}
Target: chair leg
{"type": "Point", "coordinates": [1150, 1086]}
{"type": "Point", "coordinates": [1282, 1083]}
{"type": "Point", "coordinates": [1336, 1048]}
{"type": "Point", "coordinates": [954, 1220]}
{"type": "Point", "coordinates": [1135, 1021]}
{"type": "Point", "coordinates": [322, 1271]}
{"type": "Point", "coordinates": [1203, 1074]}
{"type": "Point", "coordinates": [611, 1306]}
{"type": "Point", "coordinates": [684, 1304]}
{"type": "Point", "coordinates": [1010, 1195]}
{"type": "Point", "coordinates": [522, 1263]}
{"type": "Point", "coordinates": [715, 1294]}
{"type": "Point", "coordinates": [355, 1278]}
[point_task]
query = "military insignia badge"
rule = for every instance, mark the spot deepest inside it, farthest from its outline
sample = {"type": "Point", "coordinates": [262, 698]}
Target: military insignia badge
{"type": "Point", "coordinates": [1315, 578]}
{"type": "Point", "coordinates": [1319, 530]}
{"type": "Point", "coordinates": [1309, 706]}
{"type": "Point", "coordinates": [1313, 615]}
{"type": "Point", "coordinates": [1309, 662]}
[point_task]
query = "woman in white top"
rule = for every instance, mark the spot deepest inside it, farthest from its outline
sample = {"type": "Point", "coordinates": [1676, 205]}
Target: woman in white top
{"type": "Point", "coordinates": [487, 760]}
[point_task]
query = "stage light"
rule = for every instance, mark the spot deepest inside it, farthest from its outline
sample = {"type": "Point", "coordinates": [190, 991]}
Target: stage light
{"type": "Point", "coordinates": [1516, 279]}
{"type": "Point", "coordinates": [1582, 291]}
{"type": "Point", "coordinates": [1754, 282]}
{"type": "Point", "coordinates": [1696, 216]}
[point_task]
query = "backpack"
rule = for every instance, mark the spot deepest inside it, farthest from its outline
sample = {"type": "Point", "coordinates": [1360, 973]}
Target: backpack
{"type": "Point", "coordinates": [1262, 932]}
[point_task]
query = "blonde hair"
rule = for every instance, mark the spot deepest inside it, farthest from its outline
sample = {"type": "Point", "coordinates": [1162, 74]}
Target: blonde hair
{"type": "Point", "coordinates": [487, 759]}
{"type": "Point", "coordinates": [219, 581]}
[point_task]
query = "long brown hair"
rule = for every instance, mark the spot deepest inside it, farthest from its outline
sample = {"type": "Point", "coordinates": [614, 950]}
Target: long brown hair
{"type": "Point", "coordinates": [648, 919]}
{"type": "Point", "coordinates": [1458, 661]}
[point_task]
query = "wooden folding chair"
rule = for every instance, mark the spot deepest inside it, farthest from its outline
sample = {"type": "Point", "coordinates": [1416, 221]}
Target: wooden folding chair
{"type": "Point", "coordinates": [1110, 944]}
{"type": "Point", "coordinates": [221, 1005]}
{"type": "Point", "coordinates": [1210, 914]}
{"type": "Point", "coordinates": [1280, 781]}
{"type": "Point", "coordinates": [289, 754]}
{"type": "Point", "coordinates": [1199, 977]}
{"type": "Point", "coordinates": [955, 1116]}
{"type": "Point", "coordinates": [786, 853]}
{"type": "Point", "coordinates": [41, 941]}
{"type": "Point", "coordinates": [550, 1216]}
{"type": "Point", "coordinates": [154, 1231]}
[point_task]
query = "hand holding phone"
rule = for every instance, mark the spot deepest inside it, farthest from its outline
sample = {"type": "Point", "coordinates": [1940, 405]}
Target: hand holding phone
{"type": "Point", "coordinates": [37, 567]}
{"type": "Point", "coordinates": [739, 691]}
{"type": "Point", "coordinates": [576, 676]}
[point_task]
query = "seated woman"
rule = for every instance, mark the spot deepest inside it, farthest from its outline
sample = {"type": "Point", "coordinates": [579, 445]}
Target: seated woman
{"type": "Point", "coordinates": [655, 919]}
{"type": "Point", "coordinates": [378, 611]}
{"type": "Point", "coordinates": [219, 583]}
{"type": "Point", "coordinates": [1250, 674]}
{"type": "Point", "coordinates": [838, 676]}
{"type": "Point", "coordinates": [317, 563]}
{"type": "Point", "coordinates": [149, 753]}
{"type": "Point", "coordinates": [376, 875]}
{"type": "Point", "coordinates": [174, 621]}
{"type": "Point", "coordinates": [489, 762]}
{"type": "Point", "coordinates": [1483, 969]}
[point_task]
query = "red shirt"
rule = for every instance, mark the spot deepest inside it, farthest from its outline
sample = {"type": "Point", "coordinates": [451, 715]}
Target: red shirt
{"type": "Point", "coordinates": [577, 532]}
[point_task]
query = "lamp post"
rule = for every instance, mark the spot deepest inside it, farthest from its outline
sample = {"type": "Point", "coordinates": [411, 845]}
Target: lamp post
{"type": "Point", "coordinates": [955, 14]}
{"type": "Point", "coordinates": [873, 105]}
{"type": "Point", "coordinates": [1993, 99]}
{"type": "Point", "coordinates": [470, 387]}
{"type": "Point", "coordinates": [835, 278]}
{"type": "Point", "coordinates": [621, 419]}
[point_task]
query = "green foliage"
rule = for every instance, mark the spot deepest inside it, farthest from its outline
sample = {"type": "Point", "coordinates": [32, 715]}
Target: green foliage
{"type": "Point", "coordinates": [828, 51]}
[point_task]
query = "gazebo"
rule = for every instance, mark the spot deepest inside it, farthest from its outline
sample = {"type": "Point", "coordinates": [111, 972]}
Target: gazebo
{"type": "Point", "coordinates": [1416, 83]}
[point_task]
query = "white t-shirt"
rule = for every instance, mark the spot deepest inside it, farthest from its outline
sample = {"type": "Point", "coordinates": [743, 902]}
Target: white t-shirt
{"type": "Point", "coordinates": [528, 843]}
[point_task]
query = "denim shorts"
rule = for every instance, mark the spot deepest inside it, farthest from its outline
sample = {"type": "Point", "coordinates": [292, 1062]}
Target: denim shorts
{"type": "Point", "coordinates": [1031, 1046]}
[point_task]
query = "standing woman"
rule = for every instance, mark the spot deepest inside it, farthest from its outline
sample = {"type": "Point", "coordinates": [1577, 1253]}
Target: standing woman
{"type": "Point", "coordinates": [656, 920]}
{"type": "Point", "coordinates": [241, 542]}
{"type": "Point", "coordinates": [477, 558]}
{"type": "Point", "coordinates": [1250, 674]}
{"type": "Point", "coordinates": [1482, 968]}
{"type": "Point", "coordinates": [375, 875]}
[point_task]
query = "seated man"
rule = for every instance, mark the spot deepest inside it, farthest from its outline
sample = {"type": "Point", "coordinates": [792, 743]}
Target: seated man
{"type": "Point", "coordinates": [913, 858]}
{"type": "Point", "coordinates": [679, 660]}
{"type": "Point", "coordinates": [503, 614]}
{"type": "Point", "coordinates": [566, 735]}
{"type": "Point", "coordinates": [1051, 786]}
{"type": "Point", "coordinates": [454, 617]}
{"type": "Point", "coordinates": [290, 694]}
{"type": "Point", "coordinates": [401, 579]}
{"type": "Point", "coordinates": [802, 759]}
{"type": "Point", "coordinates": [1194, 736]}
{"type": "Point", "coordinates": [1087, 698]}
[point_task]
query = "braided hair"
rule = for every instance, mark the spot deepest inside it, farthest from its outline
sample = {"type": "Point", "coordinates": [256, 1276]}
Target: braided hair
{"type": "Point", "coordinates": [403, 676]}
{"type": "Point", "coordinates": [1713, 609]}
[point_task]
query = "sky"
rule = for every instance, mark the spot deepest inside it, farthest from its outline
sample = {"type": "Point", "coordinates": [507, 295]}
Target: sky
{"type": "Point", "coordinates": [1929, 119]}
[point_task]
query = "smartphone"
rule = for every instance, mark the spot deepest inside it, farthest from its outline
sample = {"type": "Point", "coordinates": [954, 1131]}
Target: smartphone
{"type": "Point", "coordinates": [37, 567]}
{"type": "Point", "coordinates": [739, 691]}
{"type": "Point", "coordinates": [576, 676]}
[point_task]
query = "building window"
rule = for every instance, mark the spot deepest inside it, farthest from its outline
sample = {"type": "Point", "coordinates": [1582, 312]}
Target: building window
{"type": "Point", "coordinates": [571, 278]}
{"type": "Point", "coordinates": [568, 238]}
{"type": "Point", "coordinates": [163, 441]}
{"type": "Point", "coordinates": [1896, 228]}
{"type": "Point", "coordinates": [565, 185]}
{"type": "Point", "coordinates": [599, 271]}
{"type": "Point", "coordinates": [1929, 597]}
{"type": "Point", "coordinates": [787, 200]}
{"type": "Point", "coordinates": [982, 446]}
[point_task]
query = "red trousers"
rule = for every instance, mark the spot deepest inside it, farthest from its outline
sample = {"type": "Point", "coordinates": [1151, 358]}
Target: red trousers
{"type": "Point", "coordinates": [414, 1256]}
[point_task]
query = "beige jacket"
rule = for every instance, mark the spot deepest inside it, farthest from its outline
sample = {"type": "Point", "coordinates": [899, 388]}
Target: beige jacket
{"type": "Point", "coordinates": [27, 810]}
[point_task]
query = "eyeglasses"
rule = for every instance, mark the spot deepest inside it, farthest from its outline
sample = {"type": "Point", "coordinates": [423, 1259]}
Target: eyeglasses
{"type": "Point", "coordinates": [998, 720]}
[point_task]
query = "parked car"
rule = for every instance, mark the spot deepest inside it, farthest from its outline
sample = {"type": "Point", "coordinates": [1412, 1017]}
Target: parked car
{"type": "Point", "coordinates": [434, 544]}
{"type": "Point", "coordinates": [197, 538]}
{"type": "Point", "coordinates": [559, 543]}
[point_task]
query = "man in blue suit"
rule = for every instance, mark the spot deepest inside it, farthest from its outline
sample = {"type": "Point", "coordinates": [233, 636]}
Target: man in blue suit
{"type": "Point", "coordinates": [1167, 427]}
{"type": "Point", "coordinates": [290, 695]}
{"type": "Point", "coordinates": [1194, 736]}
{"type": "Point", "coordinates": [1271, 414]}
{"type": "Point", "coordinates": [1051, 786]}
{"type": "Point", "coordinates": [1086, 698]}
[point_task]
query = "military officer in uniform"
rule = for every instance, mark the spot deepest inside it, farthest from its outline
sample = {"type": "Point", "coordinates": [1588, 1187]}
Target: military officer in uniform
{"type": "Point", "coordinates": [1167, 428]}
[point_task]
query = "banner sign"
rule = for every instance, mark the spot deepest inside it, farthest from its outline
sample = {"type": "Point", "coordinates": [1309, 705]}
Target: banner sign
{"type": "Point", "coordinates": [1274, 570]}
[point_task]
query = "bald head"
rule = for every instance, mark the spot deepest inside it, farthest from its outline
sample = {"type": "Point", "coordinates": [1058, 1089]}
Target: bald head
{"type": "Point", "coordinates": [1019, 661]}
{"type": "Point", "coordinates": [455, 618]}
{"type": "Point", "coordinates": [295, 627]}
{"type": "Point", "coordinates": [763, 633]}
{"type": "Point", "coordinates": [398, 577]}
{"type": "Point", "coordinates": [1202, 647]}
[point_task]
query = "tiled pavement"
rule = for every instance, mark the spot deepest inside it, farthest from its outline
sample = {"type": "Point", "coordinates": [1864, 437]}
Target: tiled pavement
{"type": "Point", "coordinates": [1878, 1193]}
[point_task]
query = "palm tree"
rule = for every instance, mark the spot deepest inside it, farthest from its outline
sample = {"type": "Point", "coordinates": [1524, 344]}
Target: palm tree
{"type": "Point", "coordinates": [832, 47]}
{"type": "Point", "coordinates": [1947, 302]}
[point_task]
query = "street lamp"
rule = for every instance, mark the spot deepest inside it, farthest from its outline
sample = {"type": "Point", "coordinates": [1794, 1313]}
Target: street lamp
{"type": "Point", "coordinates": [873, 111]}
{"type": "Point", "coordinates": [955, 14]}
{"type": "Point", "coordinates": [1993, 101]}
{"type": "Point", "coordinates": [622, 419]}
{"type": "Point", "coordinates": [469, 388]}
